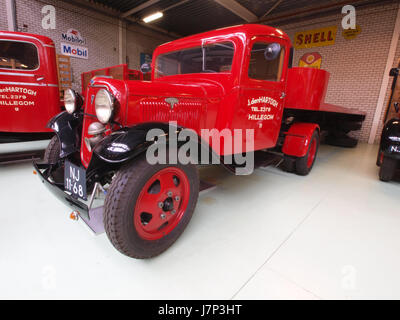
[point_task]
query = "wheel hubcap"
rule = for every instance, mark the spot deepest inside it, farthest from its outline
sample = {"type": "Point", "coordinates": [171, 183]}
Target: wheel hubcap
{"type": "Point", "coordinates": [161, 203]}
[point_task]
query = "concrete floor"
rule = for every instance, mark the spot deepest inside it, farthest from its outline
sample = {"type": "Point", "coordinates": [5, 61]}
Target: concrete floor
{"type": "Point", "coordinates": [334, 234]}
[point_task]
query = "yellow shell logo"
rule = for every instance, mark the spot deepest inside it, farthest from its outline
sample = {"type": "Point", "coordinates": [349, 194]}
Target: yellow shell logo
{"type": "Point", "coordinates": [351, 34]}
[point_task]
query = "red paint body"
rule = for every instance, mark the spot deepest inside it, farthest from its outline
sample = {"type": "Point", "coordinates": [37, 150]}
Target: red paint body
{"type": "Point", "coordinates": [38, 100]}
{"type": "Point", "coordinates": [219, 100]}
{"type": "Point", "coordinates": [306, 88]}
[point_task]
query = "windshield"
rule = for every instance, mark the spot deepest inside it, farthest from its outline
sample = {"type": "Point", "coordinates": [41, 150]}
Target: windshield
{"type": "Point", "coordinates": [212, 58]}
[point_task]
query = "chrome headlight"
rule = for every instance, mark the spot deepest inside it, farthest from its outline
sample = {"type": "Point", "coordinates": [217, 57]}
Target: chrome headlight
{"type": "Point", "coordinates": [70, 100]}
{"type": "Point", "coordinates": [104, 104]}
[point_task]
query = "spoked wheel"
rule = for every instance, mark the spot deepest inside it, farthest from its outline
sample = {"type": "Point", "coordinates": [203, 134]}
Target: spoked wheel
{"type": "Point", "coordinates": [305, 164]}
{"type": "Point", "coordinates": [148, 206]}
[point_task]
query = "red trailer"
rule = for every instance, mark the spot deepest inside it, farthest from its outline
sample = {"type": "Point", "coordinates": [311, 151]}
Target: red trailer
{"type": "Point", "coordinates": [236, 79]}
{"type": "Point", "coordinates": [121, 72]}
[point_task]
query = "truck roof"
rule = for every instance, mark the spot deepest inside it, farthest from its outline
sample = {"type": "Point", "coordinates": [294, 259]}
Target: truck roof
{"type": "Point", "coordinates": [249, 30]}
{"type": "Point", "coordinates": [27, 36]}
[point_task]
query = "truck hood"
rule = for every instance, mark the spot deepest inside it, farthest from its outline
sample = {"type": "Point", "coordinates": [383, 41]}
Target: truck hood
{"type": "Point", "coordinates": [178, 86]}
{"type": "Point", "coordinates": [190, 102]}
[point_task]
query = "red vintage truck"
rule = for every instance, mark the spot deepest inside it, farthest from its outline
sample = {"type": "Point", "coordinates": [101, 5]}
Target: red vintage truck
{"type": "Point", "coordinates": [234, 79]}
{"type": "Point", "coordinates": [29, 88]}
{"type": "Point", "coordinates": [29, 94]}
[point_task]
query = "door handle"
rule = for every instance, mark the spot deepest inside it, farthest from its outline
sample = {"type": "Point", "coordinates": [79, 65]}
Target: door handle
{"type": "Point", "coordinates": [283, 95]}
{"type": "Point", "coordinates": [39, 78]}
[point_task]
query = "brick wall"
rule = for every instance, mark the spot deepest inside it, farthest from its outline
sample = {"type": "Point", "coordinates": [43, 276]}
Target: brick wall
{"type": "Point", "coordinates": [356, 66]}
{"type": "Point", "coordinates": [3, 16]}
{"type": "Point", "coordinates": [141, 40]}
{"type": "Point", "coordinates": [100, 32]}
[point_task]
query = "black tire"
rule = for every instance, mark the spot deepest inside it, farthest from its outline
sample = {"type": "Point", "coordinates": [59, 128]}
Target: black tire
{"type": "Point", "coordinates": [388, 169]}
{"type": "Point", "coordinates": [52, 153]}
{"type": "Point", "coordinates": [302, 166]}
{"type": "Point", "coordinates": [288, 163]}
{"type": "Point", "coordinates": [120, 205]}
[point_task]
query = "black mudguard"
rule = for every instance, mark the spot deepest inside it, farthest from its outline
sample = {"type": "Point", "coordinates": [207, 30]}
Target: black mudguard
{"type": "Point", "coordinates": [68, 128]}
{"type": "Point", "coordinates": [122, 145]}
{"type": "Point", "coordinates": [390, 139]}
{"type": "Point", "coordinates": [127, 143]}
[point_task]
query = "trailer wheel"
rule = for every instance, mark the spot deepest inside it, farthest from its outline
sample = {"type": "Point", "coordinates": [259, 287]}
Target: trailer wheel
{"type": "Point", "coordinates": [305, 164]}
{"type": "Point", "coordinates": [149, 206]}
{"type": "Point", "coordinates": [52, 153]}
{"type": "Point", "coordinates": [388, 169]}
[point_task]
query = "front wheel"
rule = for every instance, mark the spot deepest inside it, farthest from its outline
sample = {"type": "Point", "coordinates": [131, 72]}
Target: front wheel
{"type": "Point", "coordinates": [52, 153]}
{"type": "Point", "coordinates": [149, 206]}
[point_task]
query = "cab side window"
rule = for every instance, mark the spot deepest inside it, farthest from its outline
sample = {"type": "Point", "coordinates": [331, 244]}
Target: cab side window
{"type": "Point", "coordinates": [18, 55]}
{"type": "Point", "coordinates": [266, 61]}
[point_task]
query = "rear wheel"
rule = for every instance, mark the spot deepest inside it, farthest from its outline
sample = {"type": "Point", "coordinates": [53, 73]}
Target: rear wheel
{"type": "Point", "coordinates": [304, 164]}
{"type": "Point", "coordinates": [148, 206]}
{"type": "Point", "coordinates": [388, 169]}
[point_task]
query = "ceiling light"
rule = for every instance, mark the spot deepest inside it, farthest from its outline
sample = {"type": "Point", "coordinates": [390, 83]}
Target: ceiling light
{"type": "Point", "coordinates": [153, 17]}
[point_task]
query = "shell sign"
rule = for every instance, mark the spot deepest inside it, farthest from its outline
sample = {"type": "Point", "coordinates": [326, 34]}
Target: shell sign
{"type": "Point", "coordinates": [311, 60]}
{"type": "Point", "coordinates": [315, 38]}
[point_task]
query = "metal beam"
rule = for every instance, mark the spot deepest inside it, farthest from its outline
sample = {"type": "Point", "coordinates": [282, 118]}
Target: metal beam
{"type": "Point", "coordinates": [271, 9]}
{"type": "Point", "coordinates": [139, 8]}
{"type": "Point", "coordinates": [238, 9]}
{"type": "Point", "coordinates": [90, 5]}
{"type": "Point", "coordinates": [11, 15]}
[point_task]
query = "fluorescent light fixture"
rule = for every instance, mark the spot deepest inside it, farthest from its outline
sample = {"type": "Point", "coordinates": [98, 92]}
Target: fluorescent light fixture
{"type": "Point", "coordinates": [153, 17]}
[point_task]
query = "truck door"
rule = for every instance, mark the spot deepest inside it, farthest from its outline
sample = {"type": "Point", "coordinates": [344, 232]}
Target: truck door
{"type": "Point", "coordinates": [24, 94]}
{"type": "Point", "coordinates": [263, 87]}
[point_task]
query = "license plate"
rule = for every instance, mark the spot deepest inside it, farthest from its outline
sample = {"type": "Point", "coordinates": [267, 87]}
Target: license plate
{"type": "Point", "coordinates": [75, 180]}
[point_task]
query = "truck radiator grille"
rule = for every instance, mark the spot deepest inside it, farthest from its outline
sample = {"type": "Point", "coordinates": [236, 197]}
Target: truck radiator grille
{"type": "Point", "coordinates": [186, 112]}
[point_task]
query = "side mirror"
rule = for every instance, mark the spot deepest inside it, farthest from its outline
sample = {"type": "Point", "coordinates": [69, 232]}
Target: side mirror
{"type": "Point", "coordinates": [272, 51]}
{"type": "Point", "coordinates": [394, 72]}
{"type": "Point", "coordinates": [145, 67]}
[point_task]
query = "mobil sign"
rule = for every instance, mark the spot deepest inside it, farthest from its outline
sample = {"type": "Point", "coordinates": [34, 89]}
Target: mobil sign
{"type": "Point", "coordinates": [74, 51]}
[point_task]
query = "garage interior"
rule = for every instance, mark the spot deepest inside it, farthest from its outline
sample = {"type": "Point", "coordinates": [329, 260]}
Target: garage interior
{"type": "Point", "coordinates": [332, 234]}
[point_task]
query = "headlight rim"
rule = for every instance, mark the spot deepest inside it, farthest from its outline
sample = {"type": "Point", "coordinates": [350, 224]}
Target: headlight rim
{"type": "Point", "coordinates": [111, 100]}
{"type": "Point", "coordinates": [74, 97]}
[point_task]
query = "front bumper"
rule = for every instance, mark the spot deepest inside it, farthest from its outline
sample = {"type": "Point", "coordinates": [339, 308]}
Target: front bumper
{"type": "Point", "coordinates": [93, 218]}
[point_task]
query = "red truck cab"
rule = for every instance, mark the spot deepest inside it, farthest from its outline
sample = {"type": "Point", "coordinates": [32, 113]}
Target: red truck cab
{"type": "Point", "coordinates": [233, 80]}
{"type": "Point", "coordinates": [29, 94]}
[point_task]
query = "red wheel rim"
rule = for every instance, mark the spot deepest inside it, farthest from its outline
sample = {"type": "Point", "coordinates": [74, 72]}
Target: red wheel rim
{"type": "Point", "coordinates": [311, 153]}
{"type": "Point", "coordinates": [161, 203]}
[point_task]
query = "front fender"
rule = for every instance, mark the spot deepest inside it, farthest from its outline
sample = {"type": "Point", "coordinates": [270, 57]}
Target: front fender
{"type": "Point", "coordinates": [122, 145]}
{"type": "Point", "coordinates": [68, 128]}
